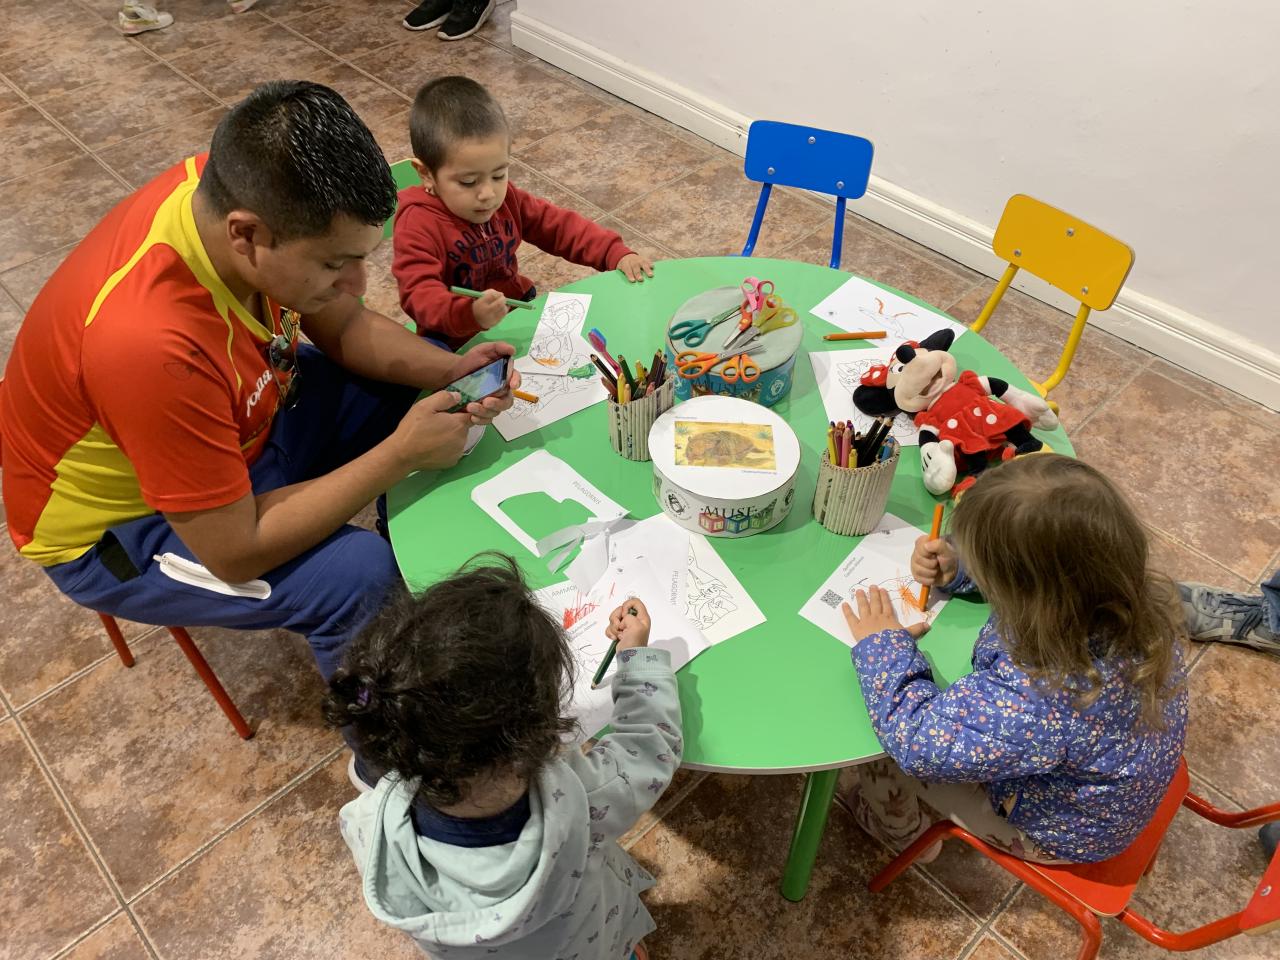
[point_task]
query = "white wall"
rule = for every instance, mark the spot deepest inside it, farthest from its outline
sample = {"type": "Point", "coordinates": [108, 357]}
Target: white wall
{"type": "Point", "coordinates": [1157, 122]}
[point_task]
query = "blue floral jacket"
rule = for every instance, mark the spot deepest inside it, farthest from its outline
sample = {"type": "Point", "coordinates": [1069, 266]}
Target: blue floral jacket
{"type": "Point", "coordinates": [1081, 783]}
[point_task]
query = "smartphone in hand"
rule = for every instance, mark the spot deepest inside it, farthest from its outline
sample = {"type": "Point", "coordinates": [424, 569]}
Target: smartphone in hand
{"type": "Point", "coordinates": [488, 380]}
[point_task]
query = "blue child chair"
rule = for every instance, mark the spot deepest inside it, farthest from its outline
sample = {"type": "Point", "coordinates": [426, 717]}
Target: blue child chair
{"type": "Point", "coordinates": [808, 158]}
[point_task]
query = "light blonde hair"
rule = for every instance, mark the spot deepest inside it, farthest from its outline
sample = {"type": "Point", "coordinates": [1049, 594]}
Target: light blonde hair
{"type": "Point", "coordinates": [1063, 560]}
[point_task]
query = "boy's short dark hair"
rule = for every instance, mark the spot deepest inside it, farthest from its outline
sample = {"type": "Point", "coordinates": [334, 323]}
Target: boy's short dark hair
{"type": "Point", "coordinates": [449, 109]}
{"type": "Point", "coordinates": [296, 154]}
{"type": "Point", "coordinates": [469, 677]}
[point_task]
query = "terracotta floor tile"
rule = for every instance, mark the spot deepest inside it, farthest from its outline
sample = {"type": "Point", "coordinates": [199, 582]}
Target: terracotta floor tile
{"type": "Point", "coordinates": [682, 786]}
{"type": "Point", "coordinates": [147, 156]}
{"type": "Point", "coordinates": [610, 159]}
{"type": "Point", "coordinates": [231, 69]}
{"type": "Point", "coordinates": [105, 113]}
{"type": "Point", "coordinates": [392, 134]}
{"type": "Point", "coordinates": [989, 948]}
{"type": "Point", "coordinates": [43, 213]}
{"type": "Point", "coordinates": [11, 314]}
{"type": "Point", "coordinates": [28, 25]}
{"type": "Point", "coordinates": [44, 637]}
{"type": "Point", "coordinates": [1242, 405]}
{"type": "Point", "coordinates": [283, 885]}
{"type": "Point", "coordinates": [708, 212]}
{"type": "Point", "coordinates": [116, 940]}
{"type": "Point", "coordinates": [1182, 563]}
{"type": "Point", "coordinates": [413, 61]}
{"type": "Point", "coordinates": [153, 734]}
{"type": "Point", "coordinates": [498, 30]}
{"type": "Point", "coordinates": [530, 181]}
{"type": "Point", "coordinates": [1176, 477]}
{"type": "Point", "coordinates": [24, 282]}
{"type": "Point", "coordinates": [382, 294]}
{"type": "Point", "coordinates": [198, 24]}
{"type": "Point", "coordinates": [350, 31]}
{"type": "Point", "coordinates": [9, 97]}
{"type": "Point", "coordinates": [547, 272]}
{"type": "Point", "coordinates": [50, 889]}
{"type": "Point", "coordinates": [288, 9]}
{"type": "Point", "coordinates": [1033, 334]}
{"type": "Point", "coordinates": [29, 142]}
{"type": "Point", "coordinates": [637, 241]}
{"type": "Point", "coordinates": [1234, 728]}
{"type": "Point", "coordinates": [537, 105]}
{"type": "Point", "coordinates": [69, 56]}
{"type": "Point", "coordinates": [719, 857]}
{"type": "Point", "coordinates": [869, 250]}
{"type": "Point", "coordinates": [369, 98]}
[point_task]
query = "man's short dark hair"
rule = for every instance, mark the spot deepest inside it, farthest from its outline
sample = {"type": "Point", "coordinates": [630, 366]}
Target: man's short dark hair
{"type": "Point", "coordinates": [449, 109]}
{"type": "Point", "coordinates": [296, 154]}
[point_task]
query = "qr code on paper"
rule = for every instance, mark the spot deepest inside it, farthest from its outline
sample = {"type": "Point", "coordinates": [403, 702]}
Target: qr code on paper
{"type": "Point", "coordinates": [832, 599]}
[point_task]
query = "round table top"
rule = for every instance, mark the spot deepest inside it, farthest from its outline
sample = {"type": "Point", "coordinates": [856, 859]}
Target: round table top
{"type": "Point", "coordinates": [782, 696]}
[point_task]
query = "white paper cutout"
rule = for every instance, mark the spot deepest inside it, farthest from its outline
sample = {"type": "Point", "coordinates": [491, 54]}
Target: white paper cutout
{"type": "Point", "coordinates": [858, 305]}
{"type": "Point", "coordinates": [540, 472]}
{"type": "Point", "coordinates": [839, 373]}
{"type": "Point", "coordinates": [882, 558]}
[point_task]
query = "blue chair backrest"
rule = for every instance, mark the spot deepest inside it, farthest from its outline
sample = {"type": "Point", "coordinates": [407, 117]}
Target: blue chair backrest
{"type": "Point", "coordinates": [811, 159]}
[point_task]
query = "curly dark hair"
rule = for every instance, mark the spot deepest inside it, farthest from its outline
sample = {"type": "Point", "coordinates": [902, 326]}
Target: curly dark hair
{"type": "Point", "coordinates": [469, 677]}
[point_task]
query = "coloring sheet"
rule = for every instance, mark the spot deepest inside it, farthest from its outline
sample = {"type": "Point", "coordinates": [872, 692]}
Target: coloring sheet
{"type": "Point", "coordinates": [715, 601]}
{"type": "Point", "coordinates": [883, 559]}
{"type": "Point", "coordinates": [585, 617]}
{"type": "Point", "coordinates": [659, 544]}
{"type": "Point", "coordinates": [557, 345]}
{"type": "Point", "coordinates": [540, 472]}
{"type": "Point", "coordinates": [858, 305]}
{"type": "Point", "coordinates": [839, 373]}
{"type": "Point", "coordinates": [558, 397]}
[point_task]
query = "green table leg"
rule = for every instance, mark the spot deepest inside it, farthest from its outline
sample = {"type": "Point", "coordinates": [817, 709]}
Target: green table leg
{"type": "Point", "coordinates": [819, 789]}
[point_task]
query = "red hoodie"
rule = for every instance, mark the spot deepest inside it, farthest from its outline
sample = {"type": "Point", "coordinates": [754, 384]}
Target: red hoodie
{"type": "Point", "coordinates": [435, 250]}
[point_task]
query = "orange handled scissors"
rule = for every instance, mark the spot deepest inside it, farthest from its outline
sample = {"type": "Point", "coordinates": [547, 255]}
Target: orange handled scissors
{"type": "Point", "coordinates": [691, 365]}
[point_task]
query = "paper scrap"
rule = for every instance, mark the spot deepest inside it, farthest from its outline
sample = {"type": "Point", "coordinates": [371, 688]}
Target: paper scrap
{"type": "Point", "coordinates": [714, 599]}
{"type": "Point", "coordinates": [882, 558]}
{"type": "Point", "coordinates": [540, 472]}
{"type": "Point", "coordinates": [839, 373]}
{"type": "Point", "coordinates": [557, 346]}
{"type": "Point", "coordinates": [860, 305]}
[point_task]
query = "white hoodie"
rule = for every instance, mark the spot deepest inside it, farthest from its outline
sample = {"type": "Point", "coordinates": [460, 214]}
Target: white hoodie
{"type": "Point", "coordinates": [564, 890]}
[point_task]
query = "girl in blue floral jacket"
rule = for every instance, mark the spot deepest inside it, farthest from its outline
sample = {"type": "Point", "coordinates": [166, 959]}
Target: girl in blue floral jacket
{"type": "Point", "coordinates": [1059, 745]}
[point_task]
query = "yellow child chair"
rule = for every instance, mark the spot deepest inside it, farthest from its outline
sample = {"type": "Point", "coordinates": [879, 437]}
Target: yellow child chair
{"type": "Point", "coordinates": [1076, 257]}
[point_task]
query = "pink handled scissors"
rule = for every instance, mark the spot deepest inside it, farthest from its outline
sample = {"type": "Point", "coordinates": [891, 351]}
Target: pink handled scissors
{"type": "Point", "coordinates": [754, 294]}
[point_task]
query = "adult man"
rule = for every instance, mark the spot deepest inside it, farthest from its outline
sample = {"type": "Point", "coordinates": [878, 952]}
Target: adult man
{"type": "Point", "coordinates": [172, 453]}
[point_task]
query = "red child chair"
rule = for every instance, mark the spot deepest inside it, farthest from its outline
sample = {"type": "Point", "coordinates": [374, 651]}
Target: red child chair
{"type": "Point", "coordinates": [197, 660]}
{"type": "Point", "coordinates": [1091, 890]}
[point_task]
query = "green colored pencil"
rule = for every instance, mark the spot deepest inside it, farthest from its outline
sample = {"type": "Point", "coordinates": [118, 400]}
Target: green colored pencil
{"type": "Point", "coordinates": [474, 294]}
{"type": "Point", "coordinates": [604, 664]}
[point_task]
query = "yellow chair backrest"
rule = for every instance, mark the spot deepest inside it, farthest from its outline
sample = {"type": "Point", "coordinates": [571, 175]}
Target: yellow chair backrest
{"type": "Point", "coordinates": [1074, 256]}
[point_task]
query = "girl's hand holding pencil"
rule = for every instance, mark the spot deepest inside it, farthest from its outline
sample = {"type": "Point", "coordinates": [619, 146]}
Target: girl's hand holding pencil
{"type": "Point", "coordinates": [933, 561]}
{"type": "Point", "coordinates": [628, 627]}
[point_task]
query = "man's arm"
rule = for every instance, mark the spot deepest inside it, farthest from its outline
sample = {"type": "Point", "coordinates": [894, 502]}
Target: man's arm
{"type": "Point", "coordinates": [255, 534]}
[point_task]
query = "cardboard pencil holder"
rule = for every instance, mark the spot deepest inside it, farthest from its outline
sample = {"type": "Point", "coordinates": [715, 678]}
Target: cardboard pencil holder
{"type": "Point", "coordinates": [629, 423]}
{"type": "Point", "coordinates": [851, 500]}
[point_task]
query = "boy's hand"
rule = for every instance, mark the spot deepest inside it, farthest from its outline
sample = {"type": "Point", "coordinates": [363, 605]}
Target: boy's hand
{"type": "Point", "coordinates": [489, 309]}
{"type": "Point", "coordinates": [876, 613]}
{"type": "Point", "coordinates": [933, 562]}
{"type": "Point", "coordinates": [629, 625]}
{"type": "Point", "coordinates": [635, 267]}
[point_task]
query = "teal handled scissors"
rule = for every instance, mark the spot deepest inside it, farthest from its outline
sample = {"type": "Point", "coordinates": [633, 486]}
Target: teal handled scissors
{"type": "Point", "coordinates": [692, 364]}
{"type": "Point", "coordinates": [694, 332]}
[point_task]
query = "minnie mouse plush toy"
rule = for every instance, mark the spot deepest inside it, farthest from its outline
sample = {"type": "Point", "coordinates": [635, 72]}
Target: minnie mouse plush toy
{"type": "Point", "coordinates": [961, 426]}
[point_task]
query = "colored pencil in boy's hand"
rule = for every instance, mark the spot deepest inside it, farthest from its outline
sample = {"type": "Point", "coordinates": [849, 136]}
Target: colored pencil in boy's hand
{"type": "Point", "coordinates": [933, 535]}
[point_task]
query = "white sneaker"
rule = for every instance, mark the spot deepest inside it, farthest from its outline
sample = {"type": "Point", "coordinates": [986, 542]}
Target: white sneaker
{"type": "Point", "coordinates": [354, 777]}
{"type": "Point", "coordinates": [241, 6]}
{"type": "Point", "coordinates": [138, 18]}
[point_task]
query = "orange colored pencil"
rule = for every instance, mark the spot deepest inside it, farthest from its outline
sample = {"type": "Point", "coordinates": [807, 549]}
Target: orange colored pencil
{"type": "Point", "coordinates": [526, 397]}
{"type": "Point", "coordinates": [860, 335]}
{"type": "Point", "coordinates": [933, 535]}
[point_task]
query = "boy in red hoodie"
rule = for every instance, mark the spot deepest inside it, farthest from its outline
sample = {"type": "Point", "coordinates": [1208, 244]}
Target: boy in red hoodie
{"type": "Point", "coordinates": [462, 227]}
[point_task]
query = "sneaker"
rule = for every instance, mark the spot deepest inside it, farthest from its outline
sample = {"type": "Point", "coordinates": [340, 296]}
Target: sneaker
{"type": "Point", "coordinates": [468, 16]}
{"type": "Point", "coordinates": [428, 14]}
{"type": "Point", "coordinates": [1269, 837]}
{"type": "Point", "coordinates": [357, 781]}
{"type": "Point", "coordinates": [242, 6]}
{"type": "Point", "coordinates": [136, 18]}
{"type": "Point", "coordinates": [1214, 614]}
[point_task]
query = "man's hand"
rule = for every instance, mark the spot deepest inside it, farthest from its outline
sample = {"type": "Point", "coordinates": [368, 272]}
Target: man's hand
{"type": "Point", "coordinates": [485, 410]}
{"type": "Point", "coordinates": [629, 625]}
{"type": "Point", "coordinates": [933, 562]}
{"type": "Point", "coordinates": [635, 267]}
{"type": "Point", "coordinates": [489, 309]}
{"type": "Point", "coordinates": [429, 437]}
{"type": "Point", "coordinates": [876, 613]}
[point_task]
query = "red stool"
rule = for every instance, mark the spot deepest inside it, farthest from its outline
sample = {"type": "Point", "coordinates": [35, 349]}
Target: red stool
{"type": "Point", "coordinates": [1091, 890]}
{"type": "Point", "coordinates": [197, 660]}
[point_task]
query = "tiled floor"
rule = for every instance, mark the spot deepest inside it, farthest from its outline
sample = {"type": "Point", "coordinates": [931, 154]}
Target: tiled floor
{"type": "Point", "coordinates": [136, 825]}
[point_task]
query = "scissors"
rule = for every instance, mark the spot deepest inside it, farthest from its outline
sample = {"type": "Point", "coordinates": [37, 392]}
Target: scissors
{"type": "Point", "coordinates": [691, 365]}
{"type": "Point", "coordinates": [755, 292]}
{"type": "Point", "coordinates": [694, 332]}
{"type": "Point", "coordinates": [775, 316]}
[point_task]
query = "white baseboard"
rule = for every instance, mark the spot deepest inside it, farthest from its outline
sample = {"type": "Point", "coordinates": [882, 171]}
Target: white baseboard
{"type": "Point", "coordinates": [1191, 342]}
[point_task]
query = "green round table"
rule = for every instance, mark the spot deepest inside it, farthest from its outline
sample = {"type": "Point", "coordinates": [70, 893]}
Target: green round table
{"type": "Point", "coordinates": [782, 697]}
